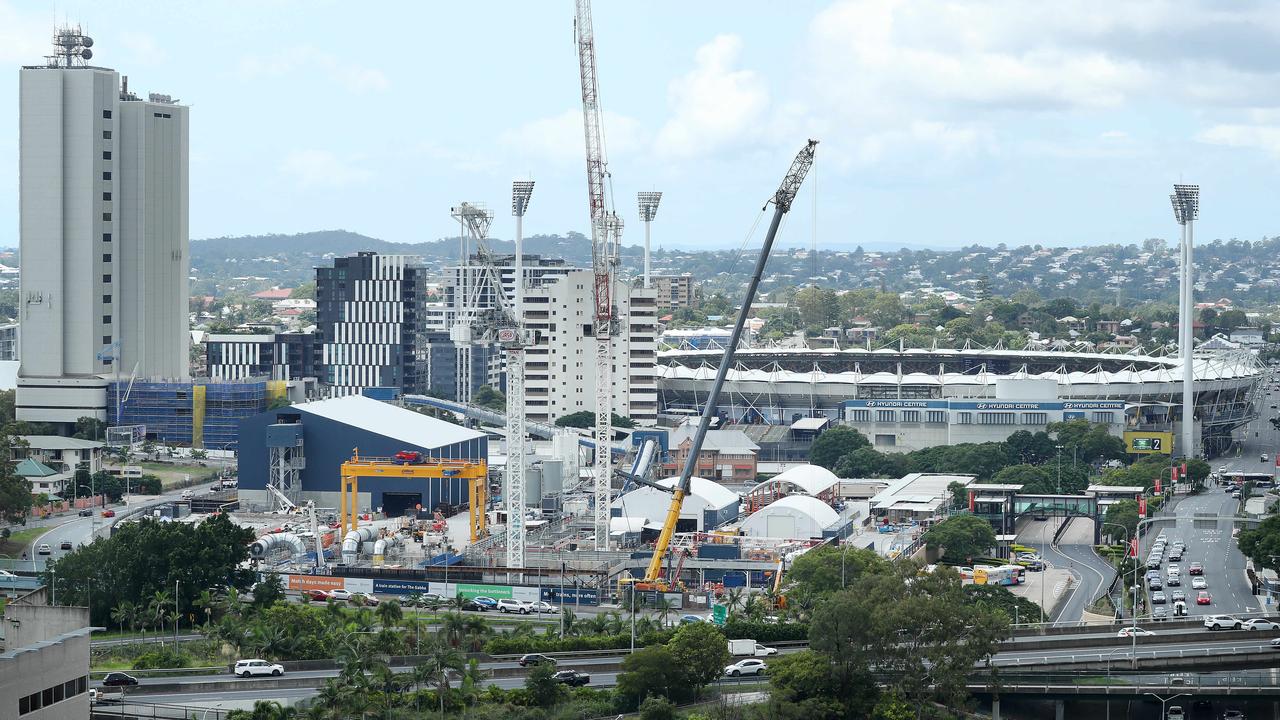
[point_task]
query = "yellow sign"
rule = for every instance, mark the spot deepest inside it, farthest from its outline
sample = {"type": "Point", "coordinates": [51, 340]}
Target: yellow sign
{"type": "Point", "coordinates": [1148, 443]}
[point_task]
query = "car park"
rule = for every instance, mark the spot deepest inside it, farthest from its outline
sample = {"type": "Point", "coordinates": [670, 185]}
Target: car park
{"type": "Point", "coordinates": [1259, 624]}
{"type": "Point", "coordinates": [750, 666]}
{"type": "Point", "coordinates": [1199, 583]}
{"type": "Point", "coordinates": [508, 605]}
{"type": "Point", "coordinates": [536, 659]}
{"type": "Point", "coordinates": [1134, 631]}
{"type": "Point", "coordinates": [1204, 598]}
{"type": "Point", "coordinates": [572, 678]}
{"type": "Point", "coordinates": [248, 668]}
{"type": "Point", "coordinates": [119, 679]}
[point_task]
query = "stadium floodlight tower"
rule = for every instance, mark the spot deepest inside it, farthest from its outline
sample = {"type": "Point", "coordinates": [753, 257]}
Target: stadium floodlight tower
{"type": "Point", "coordinates": [1186, 209]}
{"type": "Point", "coordinates": [648, 211]}
{"type": "Point", "coordinates": [521, 191]}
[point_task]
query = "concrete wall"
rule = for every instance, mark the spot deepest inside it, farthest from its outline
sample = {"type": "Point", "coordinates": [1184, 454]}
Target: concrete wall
{"type": "Point", "coordinates": [47, 653]}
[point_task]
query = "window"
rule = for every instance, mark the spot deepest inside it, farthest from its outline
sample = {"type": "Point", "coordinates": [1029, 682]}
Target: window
{"type": "Point", "coordinates": [106, 237]}
{"type": "Point", "coordinates": [997, 418]}
{"type": "Point", "coordinates": [964, 418]}
{"type": "Point", "coordinates": [861, 416]}
{"type": "Point", "coordinates": [106, 257]}
{"type": "Point", "coordinates": [911, 416]}
{"type": "Point", "coordinates": [106, 299]}
{"type": "Point", "coordinates": [1035, 418]}
{"type": "Point", "coordinates": [886, 440]}
{"type": "Point", "coordinates": [106, 278]}
{"type": "Point", "coordinates": [1104, 417]}
{"type": "Point", "coordinates": [106, 114]}
{"type": "Point", "coordinates": [106, 134]}
{"type": "Point", "coordinates": [886, 416]}
{"type": "Point", "coordinates": [106, 174]}
{"type": "Point", "coordinates": [106, 217]}
{"type": "Point", "coordinates": [106, 154]}
{"type": "Point", "coordinates": [106, 196]}
{"type": "Point", "coordinates": [936, 416]}
{"type": "Point", "coordinates": [106, 319]}
{"type": "Point", "coordinates": [106, 339]}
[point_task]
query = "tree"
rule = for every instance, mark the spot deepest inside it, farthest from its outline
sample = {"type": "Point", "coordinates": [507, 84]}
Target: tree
{"type": "Point", "coordinates": [1086, 441]}
{"type": "Point", "coordinates": [586, 419]}
{"type": "Point", "coordinates": [1123, 513]}
{"type": "Point", "coordinates": [657, 708]}
{"type": "Point", "coordinates": [819, 309]}
{"type": "Point", "coordinates": [88, 428]}
{"type": "Point", "coordinates": [1262, 544]}
{"type": "Point", "coordinates": [542, 687]}
{"type": "Point", "coordinates": [487, 397]}
{"type": "Point", "coordinates": [652, 671]}
{"type": "Point", "coordinates": [701, 652]}
{"type": "Point", "coordinates": [825, 570]}
{"type": "Point", "coordinates": [834, 444]}
{"type": "Point", "coordinates": [268, 592]}
{"type": "Point", "coordinates": [389, 613]}
{"type": "Point", "coordinates": [995, 597]}
{"type": "Point", "coordinates": [962, 537]}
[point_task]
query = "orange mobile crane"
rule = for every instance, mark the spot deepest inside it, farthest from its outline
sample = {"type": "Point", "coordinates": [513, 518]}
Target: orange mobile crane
{"type": "Point", "coordinates": [781, 200]}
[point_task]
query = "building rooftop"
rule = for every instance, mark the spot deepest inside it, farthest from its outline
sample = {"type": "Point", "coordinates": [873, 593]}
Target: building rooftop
{"type": "Point", "coordinates": [917, 490]}
{"type": "Point", "coordinates": [733, 442]}
{"type": "Point", "coordinates": [33, 468]}
{"type": "Point", "coordinates": [390, 420]}
{"type": "Point", "coordinates": [58, 442]}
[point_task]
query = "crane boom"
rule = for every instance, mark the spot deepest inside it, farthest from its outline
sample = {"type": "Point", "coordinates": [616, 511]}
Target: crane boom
{"type": "Point", "coordinates": [782, 200]}
{"type": "Point", "coordinates": [606, 229]}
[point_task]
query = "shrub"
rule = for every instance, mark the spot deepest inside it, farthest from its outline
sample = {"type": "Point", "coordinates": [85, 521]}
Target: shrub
{"type": "Point", "coordinates": [656, 707]}
{"type": "Point", "coordinates": [161, 659]}
{"type": "Point", "coordinates": [765, 632]}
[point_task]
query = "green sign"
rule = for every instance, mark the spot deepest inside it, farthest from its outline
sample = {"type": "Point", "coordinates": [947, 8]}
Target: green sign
{"type": "Point", "coordinates": [497, 592]}
{"type": "Point", "coordinates": [719, 614]}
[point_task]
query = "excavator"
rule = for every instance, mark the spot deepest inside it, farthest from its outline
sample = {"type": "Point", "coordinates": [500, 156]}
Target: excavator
{"type": "Point", "coordinates": [782, 199]}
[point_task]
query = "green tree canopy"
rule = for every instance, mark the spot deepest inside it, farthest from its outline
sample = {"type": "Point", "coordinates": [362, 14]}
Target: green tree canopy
{"type": "Point", "coordinates": [587, 419]}
{"type": "Point", "coordinates": [1086, 442]}
{"type": "Point", "coordinates": [1262, 544]}
{"type": "Point", "coordinates": [487, 397]}
{"type": "Point", "coordinates": [962, 537]}
{"type": "Point", "coordinates": [834, 444]}
{"type": "Point", "coordinates": [652, 671]}
{"type": "Point", "coordinates": [1123, 513]}
{"type": "Point", "coordinates": [701, 652]}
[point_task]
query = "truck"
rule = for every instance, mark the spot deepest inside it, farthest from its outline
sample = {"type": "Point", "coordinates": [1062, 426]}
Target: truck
{"type": "Point", "coordinates": [751, 648]}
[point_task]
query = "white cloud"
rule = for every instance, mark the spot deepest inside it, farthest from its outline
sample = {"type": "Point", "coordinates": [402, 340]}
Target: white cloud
{"type": "Point", "coordinates": [1256, 137]}
{"type": "Point", "coordinates": [559, 138]}
{"type": "Point", "coordinates": [715, 104]}
{"type": "Point", "coordinates": [305, 57]}
{"type": "Point", "coordinates": [323, 169]}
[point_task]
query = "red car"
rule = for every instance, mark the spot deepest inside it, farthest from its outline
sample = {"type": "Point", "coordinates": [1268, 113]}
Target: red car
{"type": "Point", "coordinates": [408, 457]}
{"type": "Point", "coordinates": [316, 595]}
{"type": "Point", "coordinates": [108, 513]}
{"type": "Point", "coordinates": [1204, 598]}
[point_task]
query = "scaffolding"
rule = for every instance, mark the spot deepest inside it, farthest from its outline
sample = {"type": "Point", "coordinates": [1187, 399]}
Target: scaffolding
{"type": "Point", "coordinates": [195, 413]}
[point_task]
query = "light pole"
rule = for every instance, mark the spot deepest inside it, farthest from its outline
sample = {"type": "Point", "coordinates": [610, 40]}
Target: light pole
{"type": "Point", "coordinates": [648, 202]}
{"type": "Point", "coordinates": [1059, 447]}
{"type": "Point", "coordinates": [1186, 209]}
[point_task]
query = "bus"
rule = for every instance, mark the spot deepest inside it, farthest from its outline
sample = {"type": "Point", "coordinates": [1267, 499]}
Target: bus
{"type": "Point", "coordinates": [999, 575]}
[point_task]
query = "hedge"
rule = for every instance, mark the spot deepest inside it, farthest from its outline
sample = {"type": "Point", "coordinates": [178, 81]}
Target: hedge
{"type": "Point", "coordinates": [739, 629]}
{"type": "Point", "coordinates": [508, 645]}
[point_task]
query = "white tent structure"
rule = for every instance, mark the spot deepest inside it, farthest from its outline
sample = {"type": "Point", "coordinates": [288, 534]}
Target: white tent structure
{"type": "Point", "coordinates": [651, 503]}
{"type": "Point", "coordinates": [794, 516]}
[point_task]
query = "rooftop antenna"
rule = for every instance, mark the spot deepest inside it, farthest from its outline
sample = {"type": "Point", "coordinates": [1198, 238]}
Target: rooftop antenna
{"type": "Point", "coordinates": [70, 47]}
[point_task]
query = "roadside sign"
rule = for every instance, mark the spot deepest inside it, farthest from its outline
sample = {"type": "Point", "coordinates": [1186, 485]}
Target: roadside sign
{"type": "Point", "coordinates": [719, 614]}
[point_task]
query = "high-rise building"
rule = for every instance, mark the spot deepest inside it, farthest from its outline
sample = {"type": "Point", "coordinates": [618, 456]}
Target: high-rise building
{"type": "Point", "coordinates": [279, 356]}
{"type": "Point", "coordinates": [367, 323]}
{"type": "Point", "coordinates": [103, 235]}
{"type": "Point", "coordinates": [560, 367]}
{"type": "Point", "coordinates": [675, 292]}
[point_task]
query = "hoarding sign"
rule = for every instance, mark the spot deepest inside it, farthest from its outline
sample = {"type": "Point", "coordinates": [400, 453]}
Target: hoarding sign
{"type": "Point", "coordinates": [303, 583]}
{"type": "Point", "coordinates": [1148, 443]}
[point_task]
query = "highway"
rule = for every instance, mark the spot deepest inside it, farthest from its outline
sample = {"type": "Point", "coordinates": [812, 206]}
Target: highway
{"type": "Point", "coordinates": [1073, 554]}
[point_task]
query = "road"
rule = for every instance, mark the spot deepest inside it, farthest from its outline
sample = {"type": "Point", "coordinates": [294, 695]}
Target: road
{"type": "Point", "coordinates": [1073, 554]}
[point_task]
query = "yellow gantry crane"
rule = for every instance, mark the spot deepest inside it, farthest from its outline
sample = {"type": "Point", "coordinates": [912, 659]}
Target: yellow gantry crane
{"type": "Point", "coordinates": [474, 471]}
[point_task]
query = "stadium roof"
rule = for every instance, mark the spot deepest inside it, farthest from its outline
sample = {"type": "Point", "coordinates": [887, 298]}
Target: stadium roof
{"type": "Point", "coordinates": [389, 420]}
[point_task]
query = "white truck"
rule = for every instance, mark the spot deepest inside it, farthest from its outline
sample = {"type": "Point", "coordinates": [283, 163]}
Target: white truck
{"type": "Point", "coordinates": [738, 648]}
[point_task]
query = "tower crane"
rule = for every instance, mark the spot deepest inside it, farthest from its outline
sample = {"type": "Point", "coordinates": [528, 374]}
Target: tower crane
{"type": "Point", "coordinates": [606, 232]}
{"type": "Point", "coordinates": [496, 319]}
{"type": "Point", "coordinates": [781, 200]}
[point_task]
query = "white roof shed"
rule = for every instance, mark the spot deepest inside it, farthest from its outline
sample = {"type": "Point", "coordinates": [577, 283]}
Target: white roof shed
{"type": "Point", "coordinates": [651, 503]}
{"type": "Point", "coordinates": [794, 516]}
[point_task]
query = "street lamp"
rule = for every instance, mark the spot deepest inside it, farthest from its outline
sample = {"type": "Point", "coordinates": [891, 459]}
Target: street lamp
{"type": "Point", "coordinates": [1059, 468]}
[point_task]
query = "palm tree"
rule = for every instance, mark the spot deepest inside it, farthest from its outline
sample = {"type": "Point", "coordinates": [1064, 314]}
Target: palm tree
{"type": "Point", "coordinates": [733, 599]}
{"type": "Point", "coordinates": [123, 612]}
{"type": "Point", "coordinates": [206, 601]}
{"type": "Point", "coordinates": [159, 607]}
{"type": "Point", "coordinates": [389, 614]}
{"type": "Point", "coordinates": [472, 680]}
{"type": "Point", "coordinates": [454, 628]}
{"type": "Point", "coordinates": [663, 607]}
{"type": "Point", "coordinates": [569, 618]}
{"type": "Point", "coordinates": [439, 661]}
{"type": "Point", "coordinates": [478, 630]}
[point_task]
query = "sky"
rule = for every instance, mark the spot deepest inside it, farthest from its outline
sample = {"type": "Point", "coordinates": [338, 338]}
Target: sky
{"type": "Point", "coordinates": [941, 123]}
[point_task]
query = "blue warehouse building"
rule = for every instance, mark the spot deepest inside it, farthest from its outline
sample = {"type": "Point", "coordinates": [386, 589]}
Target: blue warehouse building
{"type": "Point", "coordinates": [304, 446]}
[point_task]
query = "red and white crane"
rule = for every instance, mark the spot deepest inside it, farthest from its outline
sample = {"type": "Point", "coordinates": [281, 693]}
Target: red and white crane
{"type": "Point", "coordinates": [606, 232]}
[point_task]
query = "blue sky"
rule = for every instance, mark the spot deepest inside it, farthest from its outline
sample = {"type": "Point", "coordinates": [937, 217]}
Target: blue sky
{"type": "Point", "coordinates": [942, 123]}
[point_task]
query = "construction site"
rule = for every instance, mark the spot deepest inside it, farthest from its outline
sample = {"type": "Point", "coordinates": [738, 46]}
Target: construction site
{"type": "Point", "coordinates": [414, 494]}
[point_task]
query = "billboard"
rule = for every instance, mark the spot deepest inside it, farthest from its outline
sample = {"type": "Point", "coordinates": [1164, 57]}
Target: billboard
{"type": "Point", "coordinates": [1148, 443]}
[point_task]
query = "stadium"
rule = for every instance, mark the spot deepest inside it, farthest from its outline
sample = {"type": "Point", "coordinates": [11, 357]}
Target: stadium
{"type": "Point", "coordinates": [906, 399]}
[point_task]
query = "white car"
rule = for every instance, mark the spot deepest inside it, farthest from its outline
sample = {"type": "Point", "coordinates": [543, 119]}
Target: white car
{"type": "Point", "coordinates": [340, 594]}
{"type": "Point", "coordinates": [1221, 622]}
{"type": "Point", "coordinates": [1175, 713]}
{"type": "Point", "coordinates": [750, 666]}
{"type": "Point", "coordinates": [7, 574]}
{"type": "Point", "coordinates": [1199, 583]}
{"type": "Point", "coordinates": [507, 605]}
{"type": "Point", "coordinates": [247, 668]}
{"type": "Point", "coordinates": [542, 606]}
{"type": "Point", "coordinates": [44, 549]}
{"type": "Point", "coordinates": [1259, 624]}
{"type": "Point", "coordinates": [1132, 631]}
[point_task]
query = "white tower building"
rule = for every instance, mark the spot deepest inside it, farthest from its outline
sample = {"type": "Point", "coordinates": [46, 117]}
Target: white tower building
{"type": "Point", "coordinates": [103, 235]}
